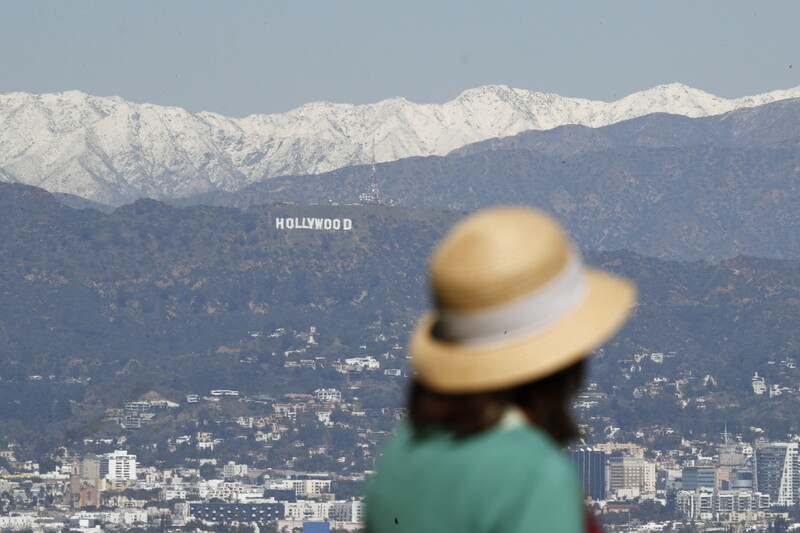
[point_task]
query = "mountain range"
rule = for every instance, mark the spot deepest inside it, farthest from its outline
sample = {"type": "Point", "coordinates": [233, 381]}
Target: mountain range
{"type": "Point", "coordinates": [660, 185]}
{"type": "Point", "coordinates": [165, 295]}
{"type": "Point", "coordinates": [112, 151]}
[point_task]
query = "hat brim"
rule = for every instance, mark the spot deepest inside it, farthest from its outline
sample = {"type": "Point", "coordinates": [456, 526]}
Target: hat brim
{"type": "Point", "coordinates": [452, 368]}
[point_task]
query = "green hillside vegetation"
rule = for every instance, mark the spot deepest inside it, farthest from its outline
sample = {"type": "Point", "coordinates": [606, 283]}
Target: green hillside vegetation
{"type": "Point", "coordinates": [158, 298]}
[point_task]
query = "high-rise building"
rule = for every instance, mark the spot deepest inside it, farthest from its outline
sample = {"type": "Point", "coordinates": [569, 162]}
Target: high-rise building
{"type": "Point", "coordinates": [635, 474]}
{"type": "Point", "coordinates": [591, 465]}
{"type": "Point", "coordinates": [776, 471]}
{"type": "Point", "coordinates": [118, 466]}
{"type": "Point", "coordinates": [694, 477]}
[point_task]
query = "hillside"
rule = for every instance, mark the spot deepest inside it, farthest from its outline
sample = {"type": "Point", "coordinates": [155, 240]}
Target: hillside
{"type": "Point", "coordinates": [113, 151]}
{"type": "Point", "coordinates": [155, 297]}
{"type": "Point", "coordinates": [682, 203]}
{"type": "Point", "coordinates": [661, 185]}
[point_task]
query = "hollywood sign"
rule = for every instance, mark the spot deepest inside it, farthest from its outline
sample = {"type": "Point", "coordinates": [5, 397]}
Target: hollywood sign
{"type": "Point", "coordinates": [336, 224]}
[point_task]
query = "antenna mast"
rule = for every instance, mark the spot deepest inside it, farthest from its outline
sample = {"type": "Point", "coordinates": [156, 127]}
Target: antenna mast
{"type": "Point", "coordinates": [372, 195]}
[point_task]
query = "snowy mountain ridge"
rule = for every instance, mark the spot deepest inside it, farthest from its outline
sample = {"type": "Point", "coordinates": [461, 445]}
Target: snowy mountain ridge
{"type": "Point", "coordinates": [114, 151]}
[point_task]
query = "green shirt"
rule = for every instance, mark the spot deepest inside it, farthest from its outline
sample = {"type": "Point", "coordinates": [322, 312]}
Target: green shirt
{"type": "Point", "coordinates": [503, 480]}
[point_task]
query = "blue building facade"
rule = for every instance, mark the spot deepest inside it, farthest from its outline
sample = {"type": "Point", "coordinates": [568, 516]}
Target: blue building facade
{"type": "Point", "coordinates": [591, 465]}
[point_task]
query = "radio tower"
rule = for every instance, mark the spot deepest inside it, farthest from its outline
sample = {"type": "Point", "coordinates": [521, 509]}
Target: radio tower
{"type": "Point", "coordinates": [727, 448]}
{"type": "Point", "coordinates": [372, 195]}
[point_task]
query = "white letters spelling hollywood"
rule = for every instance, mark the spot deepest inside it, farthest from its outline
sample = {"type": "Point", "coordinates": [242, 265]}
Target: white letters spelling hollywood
{"type": "Point", "coordinates": [335, 224]}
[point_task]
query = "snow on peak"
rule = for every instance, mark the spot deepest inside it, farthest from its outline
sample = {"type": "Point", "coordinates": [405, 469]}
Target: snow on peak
{"type": "Point", "coordinates": [114, 151]}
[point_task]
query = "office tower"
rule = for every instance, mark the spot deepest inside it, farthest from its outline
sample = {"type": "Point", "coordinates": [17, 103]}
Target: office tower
{"type": "Point", "coordinates": [776, 471]}
{"type": "Point", "coordinates": [698, 476]}
{"type": "Point", "coordinates": [591, 465]}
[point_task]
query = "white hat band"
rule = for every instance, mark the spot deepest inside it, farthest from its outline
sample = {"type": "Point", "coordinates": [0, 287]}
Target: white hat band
{"type": "Point", "coordinates": [522, 317]}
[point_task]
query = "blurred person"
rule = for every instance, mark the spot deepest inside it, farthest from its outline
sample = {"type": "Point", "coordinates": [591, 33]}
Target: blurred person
{"type": "Point", "coordinates": [497, 362]}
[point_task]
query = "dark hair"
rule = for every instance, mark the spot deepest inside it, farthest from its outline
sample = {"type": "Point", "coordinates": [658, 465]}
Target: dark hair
{"type": "Point", "coordinates": [545, 401]}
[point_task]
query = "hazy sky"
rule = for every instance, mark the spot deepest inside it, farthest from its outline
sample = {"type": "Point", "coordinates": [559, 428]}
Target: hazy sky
{"type": "Point", "coordinates": [263, 56]}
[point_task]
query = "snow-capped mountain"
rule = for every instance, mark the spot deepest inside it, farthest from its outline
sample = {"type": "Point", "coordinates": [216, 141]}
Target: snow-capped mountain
{"type": "Point", "coordinates": [114, 151]}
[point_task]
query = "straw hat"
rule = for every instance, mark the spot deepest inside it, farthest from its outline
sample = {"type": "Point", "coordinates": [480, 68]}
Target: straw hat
{"type": "Point", "coordinates": [514, 303]}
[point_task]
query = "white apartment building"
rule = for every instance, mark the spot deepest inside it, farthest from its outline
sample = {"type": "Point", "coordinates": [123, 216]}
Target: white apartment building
{"type": "Point", "coordinates": [17, 522]}
{"type": "Point", "coordinates": [367, 363]}
{"type": "Point", "coordinates": [706, 503]}
{"type": "Point", "coordinates": [696, 504]}
{"type": "Point", "coordinates": [328, 395]}
{"type": "Point", "coordinates": [303, 488]}
{"type": "Point", "coordinates": [310, 487]}
{"type": "Point", "coordinates": [224, 490]}
{"type": "Point", "coordinates": [346, 511]}
{"type": "Point", "coordinates": [759, 384]}
{"type": "Point", "coordinates": [118, 465]}
{"type": "Point", "coordinates": [335, 511]}
{"type": "Point", "coordinates": [626, 473]}
{"type": "Point", "coordinates": [233, 470]}
{"type": "Point", "coordinates": [306, 510]}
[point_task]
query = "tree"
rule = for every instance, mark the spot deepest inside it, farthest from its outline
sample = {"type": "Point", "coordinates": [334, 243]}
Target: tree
{"type": "Point", "coordinates": [208, 471]}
